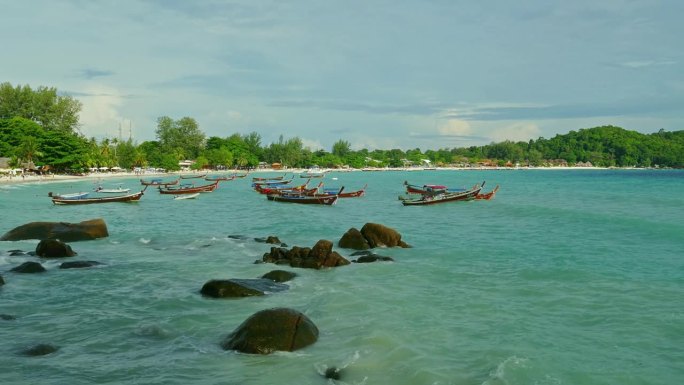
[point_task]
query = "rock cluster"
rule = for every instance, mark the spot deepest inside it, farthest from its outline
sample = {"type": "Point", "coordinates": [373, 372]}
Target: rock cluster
{"type": "Point", "coordinates": [372, 235]}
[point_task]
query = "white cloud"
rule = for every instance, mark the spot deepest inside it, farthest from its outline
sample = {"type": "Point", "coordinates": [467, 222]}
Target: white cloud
{"type": "Point", "coordinates": [454, 127]}
{"type": "Point", "coordinates": [516, 132]}
{"type": "Point", "coordinates": [100, 113]}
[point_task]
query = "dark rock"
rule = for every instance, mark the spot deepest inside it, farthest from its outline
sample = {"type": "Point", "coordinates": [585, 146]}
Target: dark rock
{"type": "Point", "coordinates": [364, 252]}
{"type": "Point", "coordinates": [2, 281]}
{"type": "Point", "coordinates": [318, 257]}
{"type": "Point", "coordinates": [333, 373]}
{"type": "Point", "coordinates": [272, 240]}
{"type": "Point", "coordinates": [7, 317]}
{"type": "Point", "coordinates": [78, 264]}
{"type": "Point", "coordinates": [379, 235]}
{"type": "Point", "coordinates": [54, 248]}
{"type": "Point", "coordinates": [29, 267]}
{"type": "Point", "coordinates": [16, 253]}
{"type": "Point", "coordinates": [40, 350]}
{"type": "Point", "coordinates": [238, 288]}
{"type": "Point", "coordinates": [240, 237]}
{"type": "Point", "coordinates": [67, 232]}
{"type": "Point", "coordinates": [353, 239]}
{"type": "Point", "coordinates": [279, 275]}
{"type": "Point", "coordinates": [279, 329]}
{"type": "Point", "coordinates": [373, 258]}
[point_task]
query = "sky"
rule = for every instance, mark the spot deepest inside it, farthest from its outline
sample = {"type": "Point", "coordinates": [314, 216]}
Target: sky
{"type": "Point", "coordinates": [406, 74]}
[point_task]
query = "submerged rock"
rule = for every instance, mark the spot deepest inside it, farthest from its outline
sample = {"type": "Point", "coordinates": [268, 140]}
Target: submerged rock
{"type": "Point", "coordinates": [318, 257]}
{"type": "Point", "coordinates": [67, 232]}
{"type": "Point", "coordinates": [78, 264]}
{"type": "Point", "coordinates": [39, 350]}
{"type": "Point", "coordinates": [373, 258]}
{"type": "Point", "coordinates": [279, 329]}
{"type": "Point", "coordinates": [29, 267]}
{"type": "Point", "coordinates": [54, 248]}
{"type": "Point", "coordinates": [238, 288]}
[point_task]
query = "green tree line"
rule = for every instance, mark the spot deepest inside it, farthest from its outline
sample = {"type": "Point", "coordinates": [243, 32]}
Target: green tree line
{"type": "Point", "coordinates": [41, 127]}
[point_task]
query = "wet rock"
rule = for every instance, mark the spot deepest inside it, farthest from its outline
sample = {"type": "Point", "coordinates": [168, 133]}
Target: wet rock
{"type": "Point", "coordinates": [318, 257]}
{"type": "Point", "coordinates": [272, 240]}
{"type": "Point", "coordinates": [353, 239]}
{"type": "Point", "coordinates": [7, 317]}
{"type": "Point", "coordinates": [238, 288]}
{"type": "Point", "coordinates": [16, 253]}
{"type": "Point", "coordinates": [279, 275]}
{"type": "Point", "coordinates": [39, 350]}
{"type": "Point", "coordinates": [67, 232]}
{"type": "Point", "coordinates": [379, 235]}
{"type": "Point", "coordinates": [54, 248]}
{"type": "Point", "coordinates": [333, 373]}
{"type": "Point", "coordinates": [279, 329]}
{"type": "Point", "coordinates": [373, 258]}
{"type": "Point", "coordinates": [78, 264]}
{"type": "Point", "coordinates": [2, 281]}
{"type": "Point", "coordinates": [29, 267]}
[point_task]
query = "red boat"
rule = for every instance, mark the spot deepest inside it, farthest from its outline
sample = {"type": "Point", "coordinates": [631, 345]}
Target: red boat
{"type": "Point", "coordinates": [487, 196]}
{"type": "Point", "coordinates": [306, 199]}
{"type": "Point", "coordinates": [301, 189]}
{"type": "Point", "coordinates": [189, 189]}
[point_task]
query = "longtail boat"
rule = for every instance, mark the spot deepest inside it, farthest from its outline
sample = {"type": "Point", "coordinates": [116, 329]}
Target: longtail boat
{"type": "Point", "coordinates": [158, 182]}
{"type": "Point", "coordinates": [78, 195]}
{"type": "Point", "coordinates": [350, 194]}
{"type": "Point", "coordinates": [429, 188]}
{"type": "Point", "coordinates": [442, 197]}
{"type": "Point", "coordinates": [268, 179]}
{"type": "Point", "coordinates": [108, 199]}
{"type": "Point", "coordinates": [213, 178]}
{"type": "Point", "coordinates": [487, 196]}
{"type": "Point", "coordinates": [189, 189]}
{"type": "Point", "coordinates": [279, 189]}
{"type": "Point", "coordinates": [193, 176]}
{"type": "Point", "coordinates": [236, 175]}
{"type": "Point", "coordinates": [305, 199]}
{"type": "Point", "coordinates": [272, 183]}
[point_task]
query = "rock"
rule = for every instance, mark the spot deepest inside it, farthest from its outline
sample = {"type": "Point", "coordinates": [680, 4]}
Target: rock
{"type": "Point", "coordinates": [318, 257]}
{"type": "Point", "coordinates": [373, 258]}
{"type": "Point", "coordinates": [40, 350]}
{"type": "Point", "coordinates": [29, 267]}
{"type": "Point", "coordinates": [238, 288]}
{"type": "Point", "coordinates": [67, 232]}
{"type": "Point", "coordinates": [333, 373]}
{"type": "Point", "coordinates": [16, 253]}
{"type": "Point", "coordinates": [2, 281]}
{"type": "Point", "coordinates": [379, 235]}
{"type": "Point", "coordinates": [78, 264]}
{"type": "Point", "coordinates": [279, 329]}
{"type": "Point", "coordinates": [272, 239]}
{"type": "Point", "coordinates": [7, 317]}
{"type": "Point", "coordinates": [279, 275]}
{"type": "Point", "coordinates": [54, 248]}
{"type": "Point", "coordinates": [353, 239]}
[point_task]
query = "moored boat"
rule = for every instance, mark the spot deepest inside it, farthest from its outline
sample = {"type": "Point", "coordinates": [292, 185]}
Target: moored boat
{"type": "Point", "coordinates": [442, 197]}
{"type": "Point", "coordinates": [78, 195]}
{"type": "Point", "coordinates": [107, 199]}
{"type": "Point", "coordinates": [158, 182]}
{"type": "Point", "coordinates": [118, 190]}
{"type": "Point", "coordinates": [189, 189]}
{"type": "Point", "coordinates": [193, 176]}
{"type": "Point", "coordinates": [350, 194]}
{"type": "Point", "coordinates": [487, 196]}
{"type": "Point", "coordinates": [186, 196]}
{"type": "Point", "coordinates": [305, 199]}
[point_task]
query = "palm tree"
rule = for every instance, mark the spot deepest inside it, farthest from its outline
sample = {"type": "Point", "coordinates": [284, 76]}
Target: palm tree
{"type": "Point", "coordinates": [28, 149]}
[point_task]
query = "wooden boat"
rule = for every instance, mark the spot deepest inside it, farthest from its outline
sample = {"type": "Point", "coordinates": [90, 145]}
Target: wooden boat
{"type": "Point", "coordinates": [236, 175]}
{"type": "Point", "coordinates": [313, 173]}
{"type": "Point", "coordinates": [305, 199]}
{"type": "Point", "coordinates": [186, 196]}
{"type": "Point", "coordinates": [279, 189]}
{"type": "Point", "coordinates": [78, 195]}
{"type": "Point", "coordinates": [158, 182]}
{"type": "Point", "coordinates": [350, 194]}
{"type": "Point", "coordinates": [487, 196]}
{"type": "Point", "coordinates": [189, 189]}
{"type": "Point", "coordinates": [272, 183]}
{"type": "Point", "coordinates": [267, 179]}
{"type": "Point", "coordinates": [193, 176]}
{"type": "Point", "coordinates": [107, 199]}
{"type": "Point", "coordinates": [442, 197]}
{"type": "Point", "coordinates": [213, 178]}
{"type": "Point", "coordinates": [118, 190]}
{"type": "Point", "coordinates": [429, 188]}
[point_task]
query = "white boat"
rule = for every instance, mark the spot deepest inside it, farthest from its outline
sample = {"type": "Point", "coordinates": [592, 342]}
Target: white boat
{"type": "Point", "coordinates": [78, 195]}
{"type": "Point", "coordinates": [118, 190]}
{"type": "Point", "coordinates": [186, 196]}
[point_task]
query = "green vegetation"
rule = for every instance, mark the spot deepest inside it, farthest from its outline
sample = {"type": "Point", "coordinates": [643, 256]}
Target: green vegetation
{"type": "Point", "coordinates": [40, 127]}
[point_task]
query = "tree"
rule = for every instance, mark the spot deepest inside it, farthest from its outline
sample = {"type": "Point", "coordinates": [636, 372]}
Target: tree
{"type": "Point", "coordinates": [28, 149]}
{"type": "Point", "coordinates": [182, 137]}
{"type": "Point", "coordinates": [43, 106]}
{"type": "Point", "coordinates": [341, 148]}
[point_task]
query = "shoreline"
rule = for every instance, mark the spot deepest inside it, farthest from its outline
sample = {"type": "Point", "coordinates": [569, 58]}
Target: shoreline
{"type": "Point", "coordinates": [18, 179]}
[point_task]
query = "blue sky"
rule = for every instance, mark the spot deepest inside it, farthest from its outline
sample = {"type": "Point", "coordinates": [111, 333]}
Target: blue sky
{"type": "Point", "coordinates": [425, 74]}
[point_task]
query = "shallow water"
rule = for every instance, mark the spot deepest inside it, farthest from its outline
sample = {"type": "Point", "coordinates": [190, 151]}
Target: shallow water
{"type": "Point", "coordinates": [566, 277]}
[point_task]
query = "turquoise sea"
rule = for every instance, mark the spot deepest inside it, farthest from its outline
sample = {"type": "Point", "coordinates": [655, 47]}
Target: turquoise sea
{"type": "Point", "coordinates": [566, 277]}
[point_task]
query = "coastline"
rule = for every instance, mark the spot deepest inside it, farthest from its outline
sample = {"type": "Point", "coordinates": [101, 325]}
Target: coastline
{"type": "Point", "coordinates": [18, 179]}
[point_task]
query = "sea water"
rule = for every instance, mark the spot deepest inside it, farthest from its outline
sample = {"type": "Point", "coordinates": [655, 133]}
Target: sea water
{"type": "Point", "coordinates": [565, 277]}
